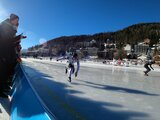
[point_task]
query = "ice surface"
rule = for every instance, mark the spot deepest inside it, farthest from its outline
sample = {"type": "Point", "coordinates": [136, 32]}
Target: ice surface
{"type": "Point", "coordinates": [100, 92]}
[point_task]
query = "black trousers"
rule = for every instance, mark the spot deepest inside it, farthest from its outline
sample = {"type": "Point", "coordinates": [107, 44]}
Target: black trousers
{"type": "Point", "coordinates": [3, 74]}
{"type": "Point", "coordinates": [7, 66]}
{"type": "Point", "coordinates": [147, 68]}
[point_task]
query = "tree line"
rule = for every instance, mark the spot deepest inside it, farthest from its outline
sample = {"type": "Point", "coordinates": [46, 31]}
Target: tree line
{"type": "Point", "coordinates": [130, 35]}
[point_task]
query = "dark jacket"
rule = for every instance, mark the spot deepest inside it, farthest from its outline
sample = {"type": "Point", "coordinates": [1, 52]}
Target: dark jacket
{"type": "Point", "coordinates": [7, 38]}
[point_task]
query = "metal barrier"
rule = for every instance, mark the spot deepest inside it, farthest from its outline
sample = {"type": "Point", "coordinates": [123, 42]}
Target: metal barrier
{"type": "Point", "coordinates": [25, 102]}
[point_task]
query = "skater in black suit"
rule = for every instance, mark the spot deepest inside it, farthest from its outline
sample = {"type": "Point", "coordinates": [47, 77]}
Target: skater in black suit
{"type": "Point", "coordinates": [148, 66]}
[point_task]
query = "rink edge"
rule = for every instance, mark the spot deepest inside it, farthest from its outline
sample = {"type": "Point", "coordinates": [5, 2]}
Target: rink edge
{"type": "Point", "coordinates": [25, 101]}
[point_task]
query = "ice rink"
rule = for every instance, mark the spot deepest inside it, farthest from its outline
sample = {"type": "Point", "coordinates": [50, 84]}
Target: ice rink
{"type": "Point", "coordinates": [98, 93]}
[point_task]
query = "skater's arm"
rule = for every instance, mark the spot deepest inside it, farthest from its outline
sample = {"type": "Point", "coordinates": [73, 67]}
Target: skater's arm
{"type": "Point", "coordinates": [61, 58]}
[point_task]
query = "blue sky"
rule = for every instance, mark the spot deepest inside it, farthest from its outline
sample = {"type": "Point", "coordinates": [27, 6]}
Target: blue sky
{"type": "Point", "coordinates": [43, 20]}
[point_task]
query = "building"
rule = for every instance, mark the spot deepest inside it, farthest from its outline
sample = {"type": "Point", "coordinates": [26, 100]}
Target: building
{"type": "Point", "coordinates": [141, 48]}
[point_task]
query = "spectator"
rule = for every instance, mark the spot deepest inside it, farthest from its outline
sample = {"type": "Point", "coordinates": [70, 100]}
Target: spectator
{"type": "Point", "coordinates": [8, 30]}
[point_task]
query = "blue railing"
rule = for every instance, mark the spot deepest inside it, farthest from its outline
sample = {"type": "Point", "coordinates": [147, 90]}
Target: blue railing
{"type": "Point", "coordinates": [25, 103]}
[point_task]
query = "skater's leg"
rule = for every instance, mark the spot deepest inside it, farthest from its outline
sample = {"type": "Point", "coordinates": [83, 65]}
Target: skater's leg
{"type": "Point", "coordinates": [148, 70]}
{"type": "Point", "coordinates": [71, 71]}
{"type": "Point", "coordinates": [70, 74]}
{"type": "Point", "coordinates": [146, 66]}
{"type": "Point", "coordinates": [66, 69]}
